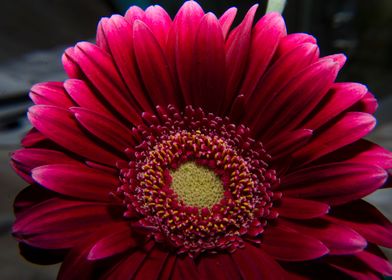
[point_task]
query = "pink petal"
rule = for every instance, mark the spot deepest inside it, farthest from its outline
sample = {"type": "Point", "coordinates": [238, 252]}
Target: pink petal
{"type": "Point", "coordinates": [185, 268]}
{"type": "Point", "coordinates": [286, 143]}
{"type": "Point", "coordinates": [106, 129]}
{"type": "Point", "coordinates": [278, 76]}
{"type": "Point", "coordinates": [237, 51]}
{"type": "Point", "coordinates": [227, 19]}
{"type": "Point", "coordinates": [153, 265]}
{"type": "Point", "coordinates": [50, 93]}
{"type": "Point", "coordinates": [219, 266]}
{"type": "Point", "coordinates": [180, 44]}
{"type": "Point", "coordinates": [340, 240]}
{"type": "Point", "coordinates": [265, 38]}
{"type": "Point", "coordinates": [378, 263]}
{"type": "Point", "coordinates": [102, 73]}
{"type": "Point", "coordinates": [299, 97]}
{"type": "Point", "coordinates": [59, 126]}
{"type": "Point", "coordinates": [85, 97]}
{"type": "Point", "coordinates": [366, 220]}
{"type": "Point", "coordinates": [30, 196]}
{"type": "Point", "coordinates": [153, 66]}
{"type": "Point", "coordinates": [118, 32]}
{"type": "Point", "coordinates": [292, 41]}
{"type": "Point", "coordinates": [118, 241]}
{"type": "Point", "coordinates": [208, 79]}
{"type": "Point", "coordinates": [367, 104]}
{"type": "Point", "coordinates": [334, 183]}
{"type": "Point", "coordinates": [346, 130]}
{"type": "Point", "coordinates": [70, 66]}
{"type": "Point", "coordinates": [32, 138]}
{"type": "Point", "coordinates": [58, 223]}
{"type": "Point", "coordinates": [76, 181]}
{"type": "Point", "coordinates": [297, 208]}
{"type": "Point", "coordinates": [134, 13]}
{"type": "Point", "coordinates": [159, 22]}
{"type": "Point", "coordinates": [253, 263]}
{"type": "Point", "coordinates": [25, 160]}
{"type": "Point", "coordinates": [100, 38]}
{"type": "Point", "coordinates": [339, 98]}
{"type": "Point", "coordinates": [291, 246]}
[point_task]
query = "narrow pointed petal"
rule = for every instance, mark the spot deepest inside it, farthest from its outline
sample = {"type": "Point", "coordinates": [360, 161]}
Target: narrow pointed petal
{"type": "Point", "coordinates": [334, 183]}
{"type": "Point", "coordinates": [278, 76]}
{"type": "Point", "coordinates": [85, 97]}
{"type": "Point", "coordinates": [226, 20]}
{"type": "Point", "coordinates": [101, 72]}
{"type": "Point", "coordinates": [340, 98]}
{"type": "Point", "coordinates": [237, 52]}
{"type": "Point", "coordinates": [377, 263]}
{"type": "Point", "coordinates": [346, 130]}
{"type": "Point", "coordinates": [265, 38]}
{"type": "Point", "coordinates": [59, 126]}
{"type": "Point", "coordinates": [297, 208]}
{"type": "Point", "coordinates": [159, 22]}
{"type": "Point", "coordinates": [106, 129]}
{"type": "Point", "coordinates": [118, 32]}
{"type": "Point", "coordinates": [115, 243]}
{"type": "Point", "coordinates": [253, 263]}
{"type": "Point", "coordinates": [153, 66]}
{"type": "Point", "coordinates": [58, 223]}
{"type": "Point", "coordinates": [366, 220]}
{"type": "Point", "coordinates": [180, 45]}
{"type": "Point", "coordinates": [291, 246]}
{"type": "Point", "coordinates": [50, 93]}
{"type": "Point", "coordinates": [76, 181]}
{"type": "Point", "coordinates": [27, 159]}
{"type": "Point", "coordinates": [340, 240]}
{"type": "Point", "coordinates": [208, 79]}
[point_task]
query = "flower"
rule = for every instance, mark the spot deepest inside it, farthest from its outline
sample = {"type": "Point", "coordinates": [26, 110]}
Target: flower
{"type": "Point", "coordinates": [186, 149]}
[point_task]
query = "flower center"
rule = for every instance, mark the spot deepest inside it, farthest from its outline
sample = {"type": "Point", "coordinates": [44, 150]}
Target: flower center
{"type": "Point", "coordinates": [196, 185]}
{"type": "Point", "coordinates": [197, 182]}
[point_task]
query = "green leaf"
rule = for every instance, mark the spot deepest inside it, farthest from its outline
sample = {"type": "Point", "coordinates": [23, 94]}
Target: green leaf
{"type": "Point", "coordinates": [276, 6]}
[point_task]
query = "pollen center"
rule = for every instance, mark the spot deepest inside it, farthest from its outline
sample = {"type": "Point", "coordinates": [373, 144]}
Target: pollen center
{"type": "Point", "coordinates": [197, 185]}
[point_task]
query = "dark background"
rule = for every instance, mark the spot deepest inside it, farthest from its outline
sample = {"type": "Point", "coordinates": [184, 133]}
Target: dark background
{"type": "Point", "coordinates": [33, 35]}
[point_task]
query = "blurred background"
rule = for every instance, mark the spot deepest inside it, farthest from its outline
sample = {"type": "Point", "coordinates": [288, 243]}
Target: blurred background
{"type": "Point", "coordinates": [33, 35]}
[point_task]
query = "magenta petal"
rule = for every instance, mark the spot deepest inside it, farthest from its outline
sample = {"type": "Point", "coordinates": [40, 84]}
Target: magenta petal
{"type": "Point", "coordinates": [185, 268]}
{"type": "Point", "coordinates": [106, 129]}
{"type": "Point", "coordinates": [30, 196]}
{"type": "Point", "coordinates": [32, 138]}
{"type": "Point", "coordinates": [153, 66]}
{"type": "Point", "coordinates": [102, 73]}
{"type": "Point", "coordinates": [253, 263]}
{"type": "Point", "coordinates": [227, 19]}
{"type": "Point", "coordinates": [70, 66]}
{"type": "Point", "coordinates": [159, 22]}
{"type": "Point", "coordinates": [118, 32]}
{"type": "Point", "coordinates": [85, 97]}
{"type": "Point", "coordinates": [180, 44]}
{"type": "Point", "coordinates": [76, 181]}
{"type": "Point", "coordinates": [378, 263]}
{"type": "Point", "coordinates": [291, 246]}
{"type": "Point", "coordinates": [153, 265]}
{"type": "Point", "coordinates": [265, 37]}
{"type": "Point", "coordinates": [58, 223]}
{"type": "Point", "coordinates": [50, 93]}
{"type": "Point", "coordinates": [292, 41]}
{"type": "Point", "coordinates": [219, 266]}
{"type": "Point", "coordinates": [340, 97]}
{"type": "Point", "coordinates": [208, 79]}
{"type": "Point", "coordinates": [366, 220]}
{"type": "Point", "coordinates": [349, 128]}
{"type": "Point", "coordinates": [340, 240]}
{"type": "Point", "coordinates": [59, 126]}
{"type": "Point", "coordinates": [367, 104]}
{"type": "Point", "coordinates": [134, 13]}
{"type": "Point", "coordinates": [368, 152]}
{"type": "Point", "coordinates": [297, 208]}
{"type": "Point", "coordinates": [334, 183]}
{"type": "Point", "coordinates": [115, 243]}
{"type": "Point", "coordinates": [237, 52]}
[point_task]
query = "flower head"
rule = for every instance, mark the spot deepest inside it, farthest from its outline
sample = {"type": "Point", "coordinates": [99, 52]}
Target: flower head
{"type": "Point", "coordinates": [188, 149]}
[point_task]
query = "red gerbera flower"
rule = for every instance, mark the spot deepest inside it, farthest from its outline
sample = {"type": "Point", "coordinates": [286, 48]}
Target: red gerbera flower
{"type": "Point", "coordinates": [184, 150]}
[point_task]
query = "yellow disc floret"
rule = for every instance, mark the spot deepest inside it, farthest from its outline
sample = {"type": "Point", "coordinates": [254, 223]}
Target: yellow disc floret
{"type": "Point", "coordinates": [197, 185]}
